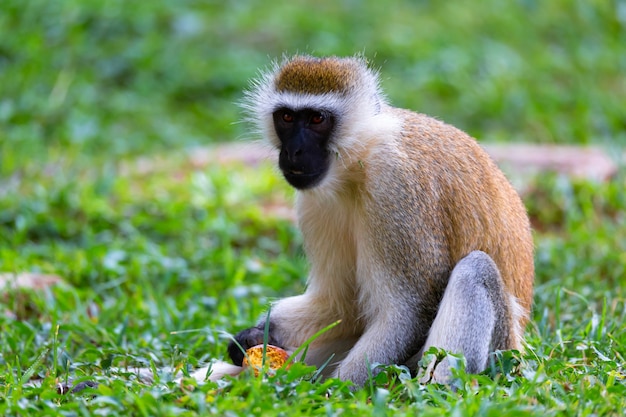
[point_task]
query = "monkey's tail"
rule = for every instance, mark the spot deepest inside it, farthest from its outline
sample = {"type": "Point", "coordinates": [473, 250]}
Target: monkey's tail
{"type": "Point", "coordinates": [216, 370]}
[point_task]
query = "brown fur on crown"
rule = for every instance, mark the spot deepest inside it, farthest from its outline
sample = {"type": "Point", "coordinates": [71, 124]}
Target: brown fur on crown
{"type": "Point", "coordinates": [305, 74]}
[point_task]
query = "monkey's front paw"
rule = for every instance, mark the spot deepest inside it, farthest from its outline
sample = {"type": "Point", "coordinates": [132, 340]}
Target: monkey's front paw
{"type": "Point", "coordinates": [246, 339]}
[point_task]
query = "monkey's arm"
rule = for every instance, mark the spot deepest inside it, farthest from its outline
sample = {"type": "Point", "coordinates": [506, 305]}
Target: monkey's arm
{"type": "Point", "coordinates": [394, 333]}
{"type": "Point", "coordinates": [292, 321]}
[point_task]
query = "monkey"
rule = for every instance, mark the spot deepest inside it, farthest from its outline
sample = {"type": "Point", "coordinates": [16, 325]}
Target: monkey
{"type": "Point", "coordinates": [415, 238]}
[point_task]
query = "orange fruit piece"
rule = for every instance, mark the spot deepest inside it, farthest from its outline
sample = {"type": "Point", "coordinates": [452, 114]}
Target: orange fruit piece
{"type": "Point", "coordinates": [275, 357]}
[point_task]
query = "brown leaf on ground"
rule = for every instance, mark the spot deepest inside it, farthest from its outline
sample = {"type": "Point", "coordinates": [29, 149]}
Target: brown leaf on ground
{"type": "Point", "coordinates": [21, 304]}
{"type": "Point", "coordinates": [35, 280]}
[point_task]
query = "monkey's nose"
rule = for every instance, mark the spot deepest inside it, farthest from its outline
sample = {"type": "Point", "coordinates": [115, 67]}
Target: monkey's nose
{"type": "Point", "coordinates": [293, 154]}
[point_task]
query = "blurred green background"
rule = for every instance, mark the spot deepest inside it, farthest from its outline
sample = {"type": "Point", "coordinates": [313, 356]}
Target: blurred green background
{"type": "Point", "coordinates": [86, 77]}
{"type": "Point", "coordinates": [102, 103]}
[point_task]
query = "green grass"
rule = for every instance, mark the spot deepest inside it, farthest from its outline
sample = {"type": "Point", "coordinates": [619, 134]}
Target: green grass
{"type": "Point", "coordinates": [161, 264]}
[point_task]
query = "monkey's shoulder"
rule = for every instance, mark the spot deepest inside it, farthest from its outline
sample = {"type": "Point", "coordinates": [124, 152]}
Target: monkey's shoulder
{"type": "Point", "coordinates": [432, 159]}
{"type": "Point", "coordinates": [432, 147]}
{"type": "Point", "coordinates": [428, 133]}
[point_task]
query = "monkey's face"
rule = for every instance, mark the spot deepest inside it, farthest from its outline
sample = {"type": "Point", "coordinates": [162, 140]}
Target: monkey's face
{"type": "Point", "coordinates": [304, 134]}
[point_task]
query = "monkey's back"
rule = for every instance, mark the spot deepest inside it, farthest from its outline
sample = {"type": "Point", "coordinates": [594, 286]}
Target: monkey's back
{"type": "Point", "coordinates": [462, 202]}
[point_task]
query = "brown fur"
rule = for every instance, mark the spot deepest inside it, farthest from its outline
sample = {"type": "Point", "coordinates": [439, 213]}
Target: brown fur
{"type": "Point", "coordinates": [316, 76]}
{"type": "Point", "coordinates": [455, 174]}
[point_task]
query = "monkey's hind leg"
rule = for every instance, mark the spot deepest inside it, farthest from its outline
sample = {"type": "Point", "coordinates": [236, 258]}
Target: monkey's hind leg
{"type": "Point", "coordinates": [474, 317]}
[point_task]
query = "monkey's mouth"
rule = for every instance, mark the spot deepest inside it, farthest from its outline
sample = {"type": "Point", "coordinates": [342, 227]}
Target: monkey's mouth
{"type": "Point", "coordinates": [302, 179]}
{"type": "Point", "coordinates": [297, 172]}
{"type": "Point", "coordinates": [302, 174]}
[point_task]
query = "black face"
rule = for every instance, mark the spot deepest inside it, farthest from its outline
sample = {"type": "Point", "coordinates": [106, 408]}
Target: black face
{"type": "Point", "coordinates": [304, 134]}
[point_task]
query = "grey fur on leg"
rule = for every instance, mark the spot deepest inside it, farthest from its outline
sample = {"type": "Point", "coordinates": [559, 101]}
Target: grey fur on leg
{"type": "Point", "coordinates": [473, 318]}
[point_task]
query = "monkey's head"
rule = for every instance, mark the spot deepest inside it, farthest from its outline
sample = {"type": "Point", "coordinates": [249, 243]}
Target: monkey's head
{"type": "Point", "coordinates": [314, 110]}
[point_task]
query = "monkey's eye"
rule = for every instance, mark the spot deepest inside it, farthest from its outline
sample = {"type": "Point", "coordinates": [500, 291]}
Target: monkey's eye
{"type": "Point", "coordinates": [317, 118]}
{"type": "Point", "coordinates": [287, 117]}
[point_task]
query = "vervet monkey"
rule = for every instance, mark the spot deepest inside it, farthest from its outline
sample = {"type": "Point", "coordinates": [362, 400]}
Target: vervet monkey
{"type": "Point", "coordinates": [415, 238]}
